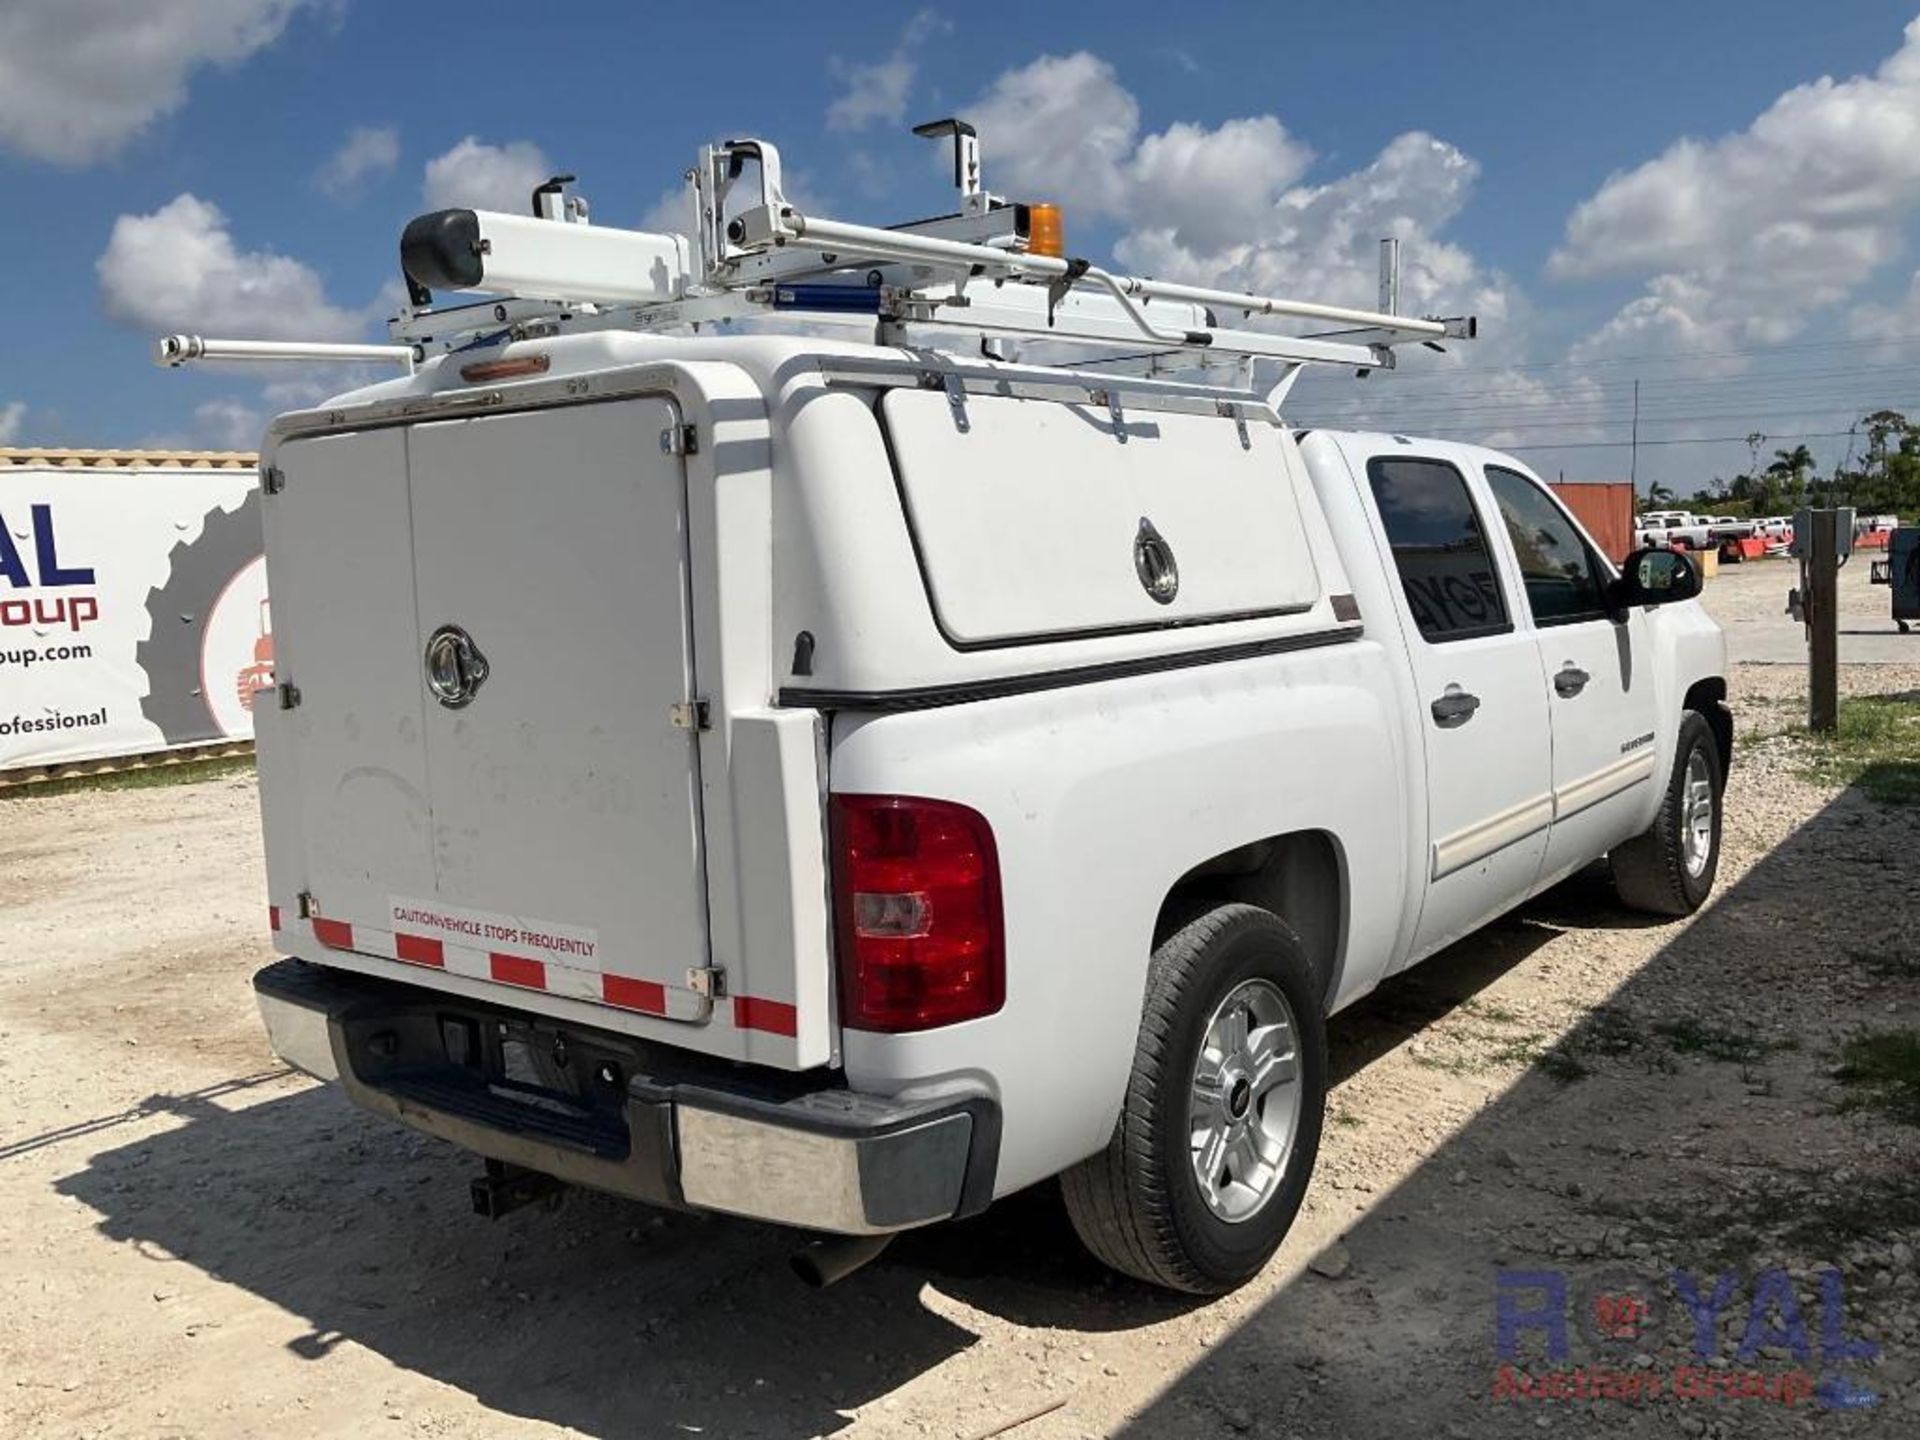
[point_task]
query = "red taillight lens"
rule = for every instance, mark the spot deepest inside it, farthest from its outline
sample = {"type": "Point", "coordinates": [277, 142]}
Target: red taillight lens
{"type": "Point", "coordinates": [917, 890]}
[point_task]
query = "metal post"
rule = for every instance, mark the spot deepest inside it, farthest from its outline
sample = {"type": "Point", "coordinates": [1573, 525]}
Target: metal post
{"type": "Point", "coordinates": [1823, 622]}
{"type": "Point", "coordinates": [1633, 465]}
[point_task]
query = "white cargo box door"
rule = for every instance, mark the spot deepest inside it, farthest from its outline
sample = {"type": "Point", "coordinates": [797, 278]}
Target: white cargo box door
{"type": "Point", "coordinates": [351, 771]}
{"type": "Point", "coordinates": [1030, 520]}
{"type": "Point", "coordinates": [566, 803]}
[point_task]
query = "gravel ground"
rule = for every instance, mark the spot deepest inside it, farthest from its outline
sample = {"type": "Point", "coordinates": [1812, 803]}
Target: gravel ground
{"type": "Point", "coordinates": [199, 1244]}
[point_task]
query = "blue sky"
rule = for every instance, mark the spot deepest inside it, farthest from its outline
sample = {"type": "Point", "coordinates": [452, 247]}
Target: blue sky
{"type": "Point", "coordinates": [1656, 191]}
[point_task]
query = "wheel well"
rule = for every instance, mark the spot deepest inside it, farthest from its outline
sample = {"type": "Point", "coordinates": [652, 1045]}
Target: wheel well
{"type": "Point", "coordinates": [1298, 876]}
{"type": "Point", "coordinates": [1709, 697]}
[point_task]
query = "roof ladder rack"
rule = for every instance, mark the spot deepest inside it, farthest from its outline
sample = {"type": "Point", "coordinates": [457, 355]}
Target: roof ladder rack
{"type": "Point", "coordinates": [996, 268]}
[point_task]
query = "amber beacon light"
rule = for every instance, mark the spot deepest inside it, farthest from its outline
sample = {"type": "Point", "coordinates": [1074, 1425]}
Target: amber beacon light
{"type": "Point", "coordinates": [1045, 235]}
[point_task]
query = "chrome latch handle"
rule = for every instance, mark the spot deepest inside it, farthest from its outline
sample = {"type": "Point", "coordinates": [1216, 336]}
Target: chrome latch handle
{"type": "Point", "coordinates": [1454, 708]}
{"type": "Point", "coordinates": [455, 667]}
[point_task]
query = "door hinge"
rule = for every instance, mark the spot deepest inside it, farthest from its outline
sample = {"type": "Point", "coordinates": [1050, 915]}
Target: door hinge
{"type": "Point", "coordinates": [709, 981]}
{"type": "Point", "coordinates": [305, 905]}
{"type": "Point", "coordinates": [680, 440]}
{"type": "Point", "coordinates": [272, 479]}
{"type": "Point", "coordinates": [691, 715]}
{"type": "Point", "coordinates": [1228, 410]}
{"type": "Point", "coordinates": [956, 389]}
{"type": "Point", "coordinates": [289, 695]}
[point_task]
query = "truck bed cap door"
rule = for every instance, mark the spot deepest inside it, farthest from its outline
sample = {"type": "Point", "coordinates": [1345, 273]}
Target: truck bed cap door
{"type": "Point", "coordinates": [1036, 518]}
{"type": "Point", "coordinates": [566, 802]}
{"type": "Point", "coordinates": [538, 825]}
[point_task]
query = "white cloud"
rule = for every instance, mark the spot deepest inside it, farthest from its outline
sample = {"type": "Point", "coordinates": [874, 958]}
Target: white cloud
{"type": "Point", "coordinates": [306, 390]}
{"type": "Point", "coordinates": [179, 269]}
{"type": "Point", "coordinates": [12, 416]}
{"type": "Point", "coordinates": [876, 91]}
{"type": "Point", "coordinates": [1741, 238]}
{"type": "Point", "coordinates": [79, 79]}
{"type": "Point", "coordinates": [1216, 188]}
{"type": "Point", "coordinates": [671, 214]}
{"type": "Point", "coordinates": [1229, 206]}
{"type": "Point", "coordinates": [1059, 129]}
{"type": "Point", "coordinates": [1225, 206]}
{"type": "Point", "coordinates": [367, 153]}
{"type": "Point", "coordinates": [1321, 242]}
{"type": "Point", "coordinates": [1679, 315]}
{"type": "Point", "coordinates": [306, 387]}
{"type": "Point", "coordinates": [229, 424]}
{"type": "Point", "coordinates": [476, 176]}
{"type": "Point", "coordinates": [1893, 329]}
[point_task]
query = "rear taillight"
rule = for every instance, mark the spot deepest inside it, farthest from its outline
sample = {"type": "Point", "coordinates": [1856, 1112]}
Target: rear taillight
{"type": "Point", "coordinates": [917, 891]}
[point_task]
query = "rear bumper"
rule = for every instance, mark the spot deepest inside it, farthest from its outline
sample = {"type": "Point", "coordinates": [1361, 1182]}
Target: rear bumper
{"type": "Point", "coordinates": [600, 1109]}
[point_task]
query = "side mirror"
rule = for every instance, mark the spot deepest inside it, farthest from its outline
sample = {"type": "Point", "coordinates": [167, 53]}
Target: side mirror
{"type": "Point", "coordinates": [1655, 577]}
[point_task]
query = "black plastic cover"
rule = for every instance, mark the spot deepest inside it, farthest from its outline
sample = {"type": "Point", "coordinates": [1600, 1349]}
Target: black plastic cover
{"type": "Point", "coordinates": [441, 250]}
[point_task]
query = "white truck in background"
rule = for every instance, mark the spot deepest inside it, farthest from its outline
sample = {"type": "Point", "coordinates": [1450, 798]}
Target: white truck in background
{"type": "Point", "coordinates": [845, 783]}
{"type": "Point", "coordinates": [1690, 531]}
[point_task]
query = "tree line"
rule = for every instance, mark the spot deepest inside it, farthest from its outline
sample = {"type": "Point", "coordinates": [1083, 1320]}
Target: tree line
{"type": "Point", "coordinates": [1885, 479]}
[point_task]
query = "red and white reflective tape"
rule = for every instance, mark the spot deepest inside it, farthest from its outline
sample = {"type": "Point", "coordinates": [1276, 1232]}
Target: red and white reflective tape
{"type": "Point", "coordinates": [776, 1017]}
{"type": "Point", "coordinates": [623, 992]}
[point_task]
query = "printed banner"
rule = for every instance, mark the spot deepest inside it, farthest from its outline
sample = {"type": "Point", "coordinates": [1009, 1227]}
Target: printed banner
{"type": "Point", "coordinates": [133, 611]}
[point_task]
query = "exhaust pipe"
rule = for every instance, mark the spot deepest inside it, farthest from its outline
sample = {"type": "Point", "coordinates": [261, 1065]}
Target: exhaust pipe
{"type": "Point", "coordinates": [832, 1258]}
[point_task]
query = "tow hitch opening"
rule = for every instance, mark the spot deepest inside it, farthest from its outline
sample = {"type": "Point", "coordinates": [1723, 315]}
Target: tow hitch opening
{"type": "Point", "coordinates": [506, 1188]}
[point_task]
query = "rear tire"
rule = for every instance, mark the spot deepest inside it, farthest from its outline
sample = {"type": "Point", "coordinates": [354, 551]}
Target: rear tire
{"type": "Point", "coordinates": [1233, 982]}
{"type": "Point", "coordinates": [1670, 869]}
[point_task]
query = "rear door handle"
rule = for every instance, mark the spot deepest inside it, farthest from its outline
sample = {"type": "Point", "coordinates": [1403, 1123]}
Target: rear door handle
{"type": "Point", "coordinates": [1454, 708]}
{"type": "Point", "coordinates": [1570, 681]}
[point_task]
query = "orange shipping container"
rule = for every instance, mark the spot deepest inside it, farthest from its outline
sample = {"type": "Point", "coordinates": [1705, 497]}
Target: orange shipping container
{"type": "Point", "coordinates": [1606, 508]}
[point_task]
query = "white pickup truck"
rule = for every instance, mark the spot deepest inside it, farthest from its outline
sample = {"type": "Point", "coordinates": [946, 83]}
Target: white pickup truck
{"type": "Point", "coordinates": [842, 784]}
{"type": "Point", "coordinates": [1690, 531]}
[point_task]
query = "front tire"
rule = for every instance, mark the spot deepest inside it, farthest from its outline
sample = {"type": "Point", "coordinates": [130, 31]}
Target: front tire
{"type": "Point", "coordinates": [1216, 1140]}
{"type": "Point", "coordinates": [1670, 869]}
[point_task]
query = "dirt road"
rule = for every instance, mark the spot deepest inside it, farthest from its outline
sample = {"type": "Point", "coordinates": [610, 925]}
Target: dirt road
{"type": "Point", "coordinates": [200, 1245]}
{"type": "Point", "coordinates": [1750, 602]}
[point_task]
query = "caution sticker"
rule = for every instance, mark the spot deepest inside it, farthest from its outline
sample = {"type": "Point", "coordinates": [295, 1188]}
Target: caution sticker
{"type": "Point", "coordinates": [573, 947]}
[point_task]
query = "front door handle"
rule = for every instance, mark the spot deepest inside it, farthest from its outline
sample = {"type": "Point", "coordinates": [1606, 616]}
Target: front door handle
{"type": "Point", "coordinates": [1454, 708]}
{"type": "Point", "coordinates": [1570, 681]}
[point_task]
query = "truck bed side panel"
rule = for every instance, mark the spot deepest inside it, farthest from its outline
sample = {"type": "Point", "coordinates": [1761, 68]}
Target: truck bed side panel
{"type": "Point", "coordinates": [1101, 797]}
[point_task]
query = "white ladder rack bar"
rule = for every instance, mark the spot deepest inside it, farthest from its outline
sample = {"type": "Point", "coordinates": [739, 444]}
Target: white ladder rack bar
{"type": "Point", "coordinates": [177, 350]}
{"type": "Point", "coordinates": [996, 313]}
{"type": "Point", "coordinates": [762, 229]}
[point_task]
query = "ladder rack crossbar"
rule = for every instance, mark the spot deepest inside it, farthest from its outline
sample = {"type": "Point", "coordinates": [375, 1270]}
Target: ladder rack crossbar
{"type": "Point", "coordinates": [994, 316]}
{"type": "Point", "coordinates": [837, 236]}
{"type": "Point", "coordinates": [176, 350]}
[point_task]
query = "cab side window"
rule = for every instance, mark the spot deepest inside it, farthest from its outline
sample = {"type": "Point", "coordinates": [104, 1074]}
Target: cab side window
{"type": "Point", "coordinates": [1564, 579]}
{"type": "Point", "coordinates": [1439, 548]}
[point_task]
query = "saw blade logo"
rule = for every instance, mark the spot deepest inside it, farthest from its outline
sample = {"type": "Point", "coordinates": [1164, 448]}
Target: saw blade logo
{"type": "Point", "coordinates": [209, 648]}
